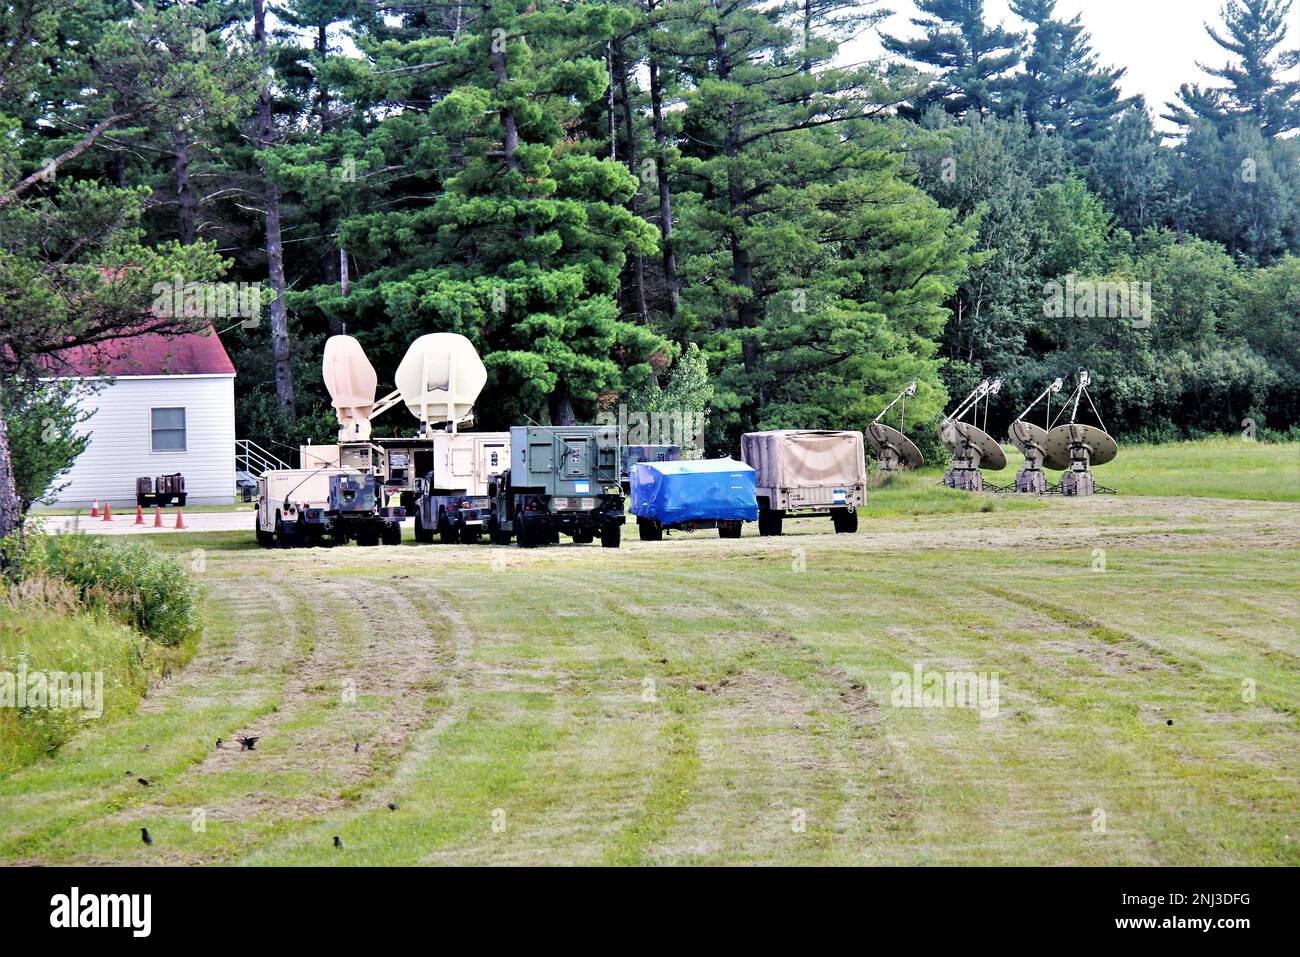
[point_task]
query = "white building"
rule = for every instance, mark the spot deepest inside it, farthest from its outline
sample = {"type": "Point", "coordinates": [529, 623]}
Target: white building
{"type": "Point", "coordinates": [165, 404]}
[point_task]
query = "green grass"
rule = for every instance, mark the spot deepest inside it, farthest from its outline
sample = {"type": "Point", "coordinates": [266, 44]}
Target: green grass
{"type": "Point", "coordinates": [726, 702]}
{"type": "Point", "coordinates": [1211, 468]}
{"type": "Point", "coordinates": [41, 639]}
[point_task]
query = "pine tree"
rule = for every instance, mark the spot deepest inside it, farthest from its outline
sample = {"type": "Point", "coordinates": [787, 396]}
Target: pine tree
{"type": "Point", "coordinates": [973, 60]}
{"type": "Point", "coordinates": [526, 228]}
{"type": "Point", "coordinates": [1253, 90]}
{"type": "Point", "coordinates": [1062, 88]}
{"type": "Point", "coordinates": [814, 275]}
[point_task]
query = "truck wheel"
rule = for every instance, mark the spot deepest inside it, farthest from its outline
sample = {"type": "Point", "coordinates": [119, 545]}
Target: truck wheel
{"type": "Point", "coordinates": [264, 539]}
{"type": "Point", "coordinates": [649, 530]}
{"type": "Point", "coordinates": [447, 532]}
{"type": "Point", "coordinates": [282, 538]}
{"type": "Point", "coordinates": [525, 537]}
{"type": "Point", "coordinates": [611, 536]}
{"type": "Point", "coordinates": [844, 519]}
{"type": "Point", "coordinates": [495, 534]}
{"type": "Point", "coordinates": [392, 534]}
{"type": "Point", "coordinates": [729, 529]}
{"type": "Point", "coordinates": [422, 535]}
{"type": "Point", "coordinates": [769, 521]}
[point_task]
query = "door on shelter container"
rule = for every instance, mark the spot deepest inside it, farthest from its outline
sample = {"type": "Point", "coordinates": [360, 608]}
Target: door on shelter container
{"type": "Point", "coordinates": [491, 458]}
{"type": "Point", "coordinates": [577, 457]}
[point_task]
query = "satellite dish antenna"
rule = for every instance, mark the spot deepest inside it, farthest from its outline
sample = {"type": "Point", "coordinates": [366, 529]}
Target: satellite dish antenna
{"type": "Point", "coordinates": [352, 382]}
{"type": "Point", "coordinates": [972, 447]}
{"type": "Point", "coordinates": [1075, 447]}
{"type": "Point", "coordinates": [1031, 440]}
{"type": "Point", "coordinates": [895, 449]}
{"type": "Point", "coordinates": [440, 379]}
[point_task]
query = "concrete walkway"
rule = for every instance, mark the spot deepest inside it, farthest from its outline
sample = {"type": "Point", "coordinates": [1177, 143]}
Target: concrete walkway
{"type": "Point", "coordinates": [123, 522]}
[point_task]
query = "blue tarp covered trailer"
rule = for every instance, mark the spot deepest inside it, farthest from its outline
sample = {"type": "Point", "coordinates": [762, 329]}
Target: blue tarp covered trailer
{"type": "Point", "coordinates": [696, 493]}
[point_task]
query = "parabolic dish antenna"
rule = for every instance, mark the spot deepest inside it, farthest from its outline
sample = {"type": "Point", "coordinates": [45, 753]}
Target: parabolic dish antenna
{"type": "Point", "coordinates": [887, 440]}
{"type": "Point", "coordinates": [1025, 434]}
{"type": "Point", "coordinates": [1102, 448]}
{"type": "Point", "coordinates": [351, 381]}
{"type": "Point", "coordinates": [957, 435]}
{"type": "Point", "coordinates": [440, 378]}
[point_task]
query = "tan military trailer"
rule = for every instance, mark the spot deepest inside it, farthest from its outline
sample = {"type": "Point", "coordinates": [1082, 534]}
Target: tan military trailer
{"type": "Point", "coordinates": [807, 472]}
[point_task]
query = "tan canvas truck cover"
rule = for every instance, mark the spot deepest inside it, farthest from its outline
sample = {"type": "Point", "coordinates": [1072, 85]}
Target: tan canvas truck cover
{"type": "Point", "coordinates": [810, 465]}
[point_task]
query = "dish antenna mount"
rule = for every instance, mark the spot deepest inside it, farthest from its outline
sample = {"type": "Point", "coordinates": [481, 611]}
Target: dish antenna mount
{"type": "Point", "coordinates": [1031, 440]}
{"type": "Point", "coordinates": [971, 446]}
{"type": "Point", "coordinates": [1075, 447]}
{"type": "Point", "coordinates": [896, 451]}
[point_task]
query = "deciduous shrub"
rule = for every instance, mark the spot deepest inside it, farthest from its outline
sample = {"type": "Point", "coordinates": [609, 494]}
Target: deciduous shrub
{"type": "Point", "coordinates": [137, 585]}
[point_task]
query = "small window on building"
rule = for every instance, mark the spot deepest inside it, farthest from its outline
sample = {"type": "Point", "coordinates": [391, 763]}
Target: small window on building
{"type": "Point", "coordinates": [168, 430]}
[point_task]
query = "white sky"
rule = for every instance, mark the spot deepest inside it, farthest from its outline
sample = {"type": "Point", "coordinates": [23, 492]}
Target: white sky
{"type": "Point", "coordinates": [1159, 41]}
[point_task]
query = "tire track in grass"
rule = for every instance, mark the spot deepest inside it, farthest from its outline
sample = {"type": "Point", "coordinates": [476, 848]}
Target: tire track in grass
{"type": "Point", "coordinates": [791, 749]}
{"type": "Point", "coordinates": [342, 718]}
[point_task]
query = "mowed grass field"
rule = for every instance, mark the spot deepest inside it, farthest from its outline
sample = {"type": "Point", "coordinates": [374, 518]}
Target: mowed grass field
{"type": "Point", "coordinates": [700, 701]}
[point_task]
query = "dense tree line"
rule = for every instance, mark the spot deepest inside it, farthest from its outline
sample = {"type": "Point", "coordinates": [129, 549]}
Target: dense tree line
{"type": "Point", "coordinates": [657, 201]}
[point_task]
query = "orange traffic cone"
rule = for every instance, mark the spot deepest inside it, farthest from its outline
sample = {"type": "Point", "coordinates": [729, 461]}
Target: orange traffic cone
{"type": "Point", "coordinates": [180, 519]}
{"type": "Point", "coordinates": [108, 512]}
{"type": "Point", "coordinates": [139, 515]}
{"type": "Point", "coordinates": [94, 508]}
{"type": "Point", "coordinates": [157, 516]}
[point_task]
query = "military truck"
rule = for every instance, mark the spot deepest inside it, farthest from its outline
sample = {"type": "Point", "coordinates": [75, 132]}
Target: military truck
{"type": "Point", "coordinates": [324, 506]}
{"type": "Point", "coordinates": [562, 479]}
{"type": "Point", "coordinates": [807, 472]}
{"type": "Point", "coordinates": [452, 496]}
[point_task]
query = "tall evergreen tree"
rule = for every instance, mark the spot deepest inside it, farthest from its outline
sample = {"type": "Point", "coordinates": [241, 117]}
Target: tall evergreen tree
{"type": "Point", "coordinates": [1253, 89]}
{"type": "Point", "coordinates": [973, 61]}
{"type": "Point", "coordinates": [814, 274]}
{"type": "Point", "coordinates": [1062, 88]}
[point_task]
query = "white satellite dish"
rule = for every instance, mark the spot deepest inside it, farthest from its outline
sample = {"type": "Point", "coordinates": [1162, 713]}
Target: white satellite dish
{"type": "Point", "coordinates": [352, 382]}
{"type": "Point", "coordinates": [440, 378]}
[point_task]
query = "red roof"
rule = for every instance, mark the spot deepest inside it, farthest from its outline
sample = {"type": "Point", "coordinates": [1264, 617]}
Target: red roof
{"type": "Point", "coordinates": [195, 353]}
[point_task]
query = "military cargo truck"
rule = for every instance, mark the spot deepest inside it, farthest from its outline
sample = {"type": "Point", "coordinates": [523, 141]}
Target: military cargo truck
{"type": "Point", "coordinates": [562, 479]}
{"type": "Point", "coordinates": [452, 496]}
{"type": "Point", "coordinates": [324, 506]}
{"type": "Point", "coordinates": [807, 472]}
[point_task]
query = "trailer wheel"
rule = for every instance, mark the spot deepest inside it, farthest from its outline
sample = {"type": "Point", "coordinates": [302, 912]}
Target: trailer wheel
{"type": "Point", "coordinates": [611, 536]}
{"type": "Point", "coordinates": [769, 520]}
{"type": "Point", "coordinates": [729, 529]}
{"type": "Point", "coordinates": [392, 534]}
{"type": "Point", "coordinates": [649, 530]}
{"type": "Point", "coordinates": [844, 519]}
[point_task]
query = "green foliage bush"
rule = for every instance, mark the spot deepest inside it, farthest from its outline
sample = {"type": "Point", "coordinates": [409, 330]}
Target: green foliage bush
{"type": "Point", "coordinates": [132, 582]}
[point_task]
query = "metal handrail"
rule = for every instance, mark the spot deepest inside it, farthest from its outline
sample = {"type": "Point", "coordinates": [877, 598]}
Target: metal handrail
{"type": "Point", "coordinates": [255, 459]}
